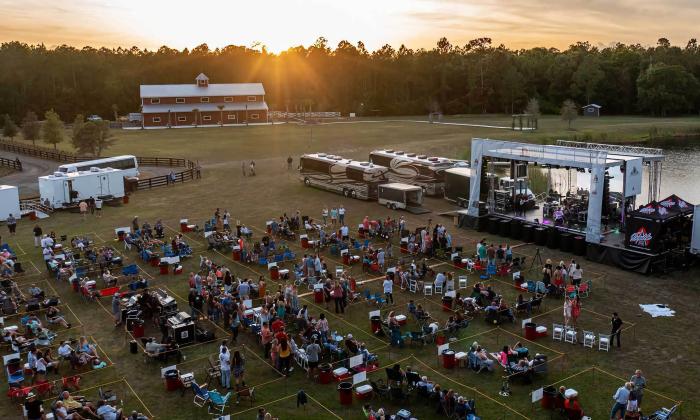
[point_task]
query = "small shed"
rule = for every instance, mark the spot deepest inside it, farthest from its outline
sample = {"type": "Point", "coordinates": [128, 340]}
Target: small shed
{"type": "Point", "coordinates": [591, 110]}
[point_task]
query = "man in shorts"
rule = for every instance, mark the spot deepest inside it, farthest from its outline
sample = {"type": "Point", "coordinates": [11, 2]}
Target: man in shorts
{"type": "Point", "coordinates": [313, 351]}
{"type": "Point", "coordinates": [98, 207]}
{"type": "Point", "coordinates": [83, 208]}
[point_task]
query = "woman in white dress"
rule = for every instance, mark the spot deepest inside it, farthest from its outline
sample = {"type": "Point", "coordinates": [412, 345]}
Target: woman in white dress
{"type": "Point", "coordinates": [567, 311]}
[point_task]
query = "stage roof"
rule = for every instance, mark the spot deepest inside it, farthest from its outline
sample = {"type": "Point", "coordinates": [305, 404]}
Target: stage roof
{"type": "Point", "coordinates": [573, 157]}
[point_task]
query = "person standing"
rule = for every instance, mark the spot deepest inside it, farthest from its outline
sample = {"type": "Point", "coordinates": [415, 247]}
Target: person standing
{"type": "Point", "coordinates": [616, 324]}
{"type": "Point", "coordinates": [37, 235]}
{"type": "Point", "coordinates": [98, 207]}
{"type": "Point", "coordinates": [289, 163]}
{"type": "Point", "coordinates": [243, 168]}
{"type": "Point", "coordinates": [639, 382]}
{"type": "Point", "coordinates": [621, 396]}
{"type": "Point", "coordinates": [225, 362]}
{"type": "Point", "coordinates": [575, 310]}
{"type": "Point", "coordinates": [83, 206]}
{"type": "Point", "coordinates": [116, 310]}
{"type": "Point", "coordinates": [334, 216]}
{"type": "Point", "coordinates": [11, 224]}
{"type": "Point", "coordinates": [341, 214]}
{"type": "Point", "coordinates": [388, 289]}
{"type": "Point", "coordinates": [91, 204]}
{"type": "Point", "coordinates": [313, 351]}
{"type": "Point", "coordinates": [567, 311]}
{"type": "Point", "coordinates": [324, 215]}
{"type": "Point", "coordinates": [252, 168]}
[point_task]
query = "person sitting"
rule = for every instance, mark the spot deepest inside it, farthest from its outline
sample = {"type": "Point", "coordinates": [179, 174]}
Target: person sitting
{"type": "Point", "coordinates": [352, 345]}
{"type": "Point", "coordinates": [78, 403]}
{"type": "Point", "coordinates": [451, 324]}
{"type": "Point", "coordinates": [368, 357]}
{"type": "Point", "coordinates": [573, 407]}
{"type": "Point", "coordinates": [411, 308]}
{"type": "Point", "coordinates": [107, 412]}
{"type": "Point", "coordinates": [53, 314]}
{"type": "Point", "coordinates": [421, 314]}
{"type": "Point", "coordinates": [504, 310]}
{"type": "Point", "coordinates": [62, 412]}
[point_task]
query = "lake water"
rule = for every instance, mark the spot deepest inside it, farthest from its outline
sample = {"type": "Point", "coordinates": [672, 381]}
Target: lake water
{"type": "Point", "coordinates": [680, 174]}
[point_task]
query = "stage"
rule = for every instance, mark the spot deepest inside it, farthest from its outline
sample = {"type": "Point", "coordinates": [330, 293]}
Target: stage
{"type": "Point", "coordinates": [610, 251]}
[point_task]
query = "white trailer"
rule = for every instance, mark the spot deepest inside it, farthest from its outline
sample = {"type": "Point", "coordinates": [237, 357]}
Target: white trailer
{"type": "Point", "coordinates": [68, 189]}
{"type": "Point", "coordinates": [400, 196]}
{"type": "Point", "coordinates": [9, 202]}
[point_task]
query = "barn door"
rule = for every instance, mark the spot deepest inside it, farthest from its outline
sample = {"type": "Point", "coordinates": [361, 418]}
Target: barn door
{"type": "Point", "coordinates": [104, 185]}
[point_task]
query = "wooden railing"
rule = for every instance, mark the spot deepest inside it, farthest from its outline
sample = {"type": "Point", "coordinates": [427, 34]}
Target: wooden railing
{"type": "Point", "coordinates": [38, 152]}
{"type": "Point", "coordinates": [11, 163]}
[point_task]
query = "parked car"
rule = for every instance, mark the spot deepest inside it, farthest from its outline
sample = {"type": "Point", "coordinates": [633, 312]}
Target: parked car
{"type": "Point", "coordinates": [94, 118]}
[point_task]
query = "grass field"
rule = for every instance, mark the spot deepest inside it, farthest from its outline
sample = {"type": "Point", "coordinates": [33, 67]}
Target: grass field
{"type": "Point", "coordinates": [665, 348]}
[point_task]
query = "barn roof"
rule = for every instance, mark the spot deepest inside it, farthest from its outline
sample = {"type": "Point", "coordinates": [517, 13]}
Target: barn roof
{"type": "Point", "coordinates": [592, 105]}
{"type": "Point", "coordinates": [228, 106]}
{"type": "Point", "coordinates": [216, 89]}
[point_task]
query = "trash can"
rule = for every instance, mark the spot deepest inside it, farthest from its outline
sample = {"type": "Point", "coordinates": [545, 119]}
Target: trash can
{"type": "Point", "coordinates": [447, 303]}
{"type": "Point", "coordinates": [549, 396]}
{"type": "Point", "coordinates": [494, 225]}
{"type": "Point", "coordinates": [172, 380]}
{"type": "Point", "coordinates": [530, 331]}
{"type": "Point", "coordinates": [565, 242]}
{"type": "Point", "coordinates": [346, 258]}
{"type": "Point", "coordinates": [376, 324]}
{"type": "Point", "coordinates": [541, 236]}
{"type": "Point", "coordinates": [528, 233]}
{"type": "Point", "coordinates": [448, 359]}
{"type": "Point", "coordinates": [325, 375]}
{"type": "Point", "coordinates": [580, 245]}
{"type": "Point", "coordinates": [345, 393]}
{"type": "Point", "coordinates": [236, 253]}
{"type": "Point", "coordinates": [318, 295]}
{"type": "Point", "coordinates": [504, 228]}
{"type": "Point", "coordinates": [133, 347]}
{"type": "Point", "coordinates": [155, 260]}
{"type": "Point", "coordinates": [274, 272]}
{"type": "Point", "coordinates": [163, 267]}
{"type": "Point", "coordinates": [439, 339]}
{"type": "Point", "coordinates": [126, 199]}
{"type": "Point", "coordinates": [76, 284]}
{"type": "Point", "coordinates": [553, 239]}
{"type": "Point", "coordinates": [138, 331]}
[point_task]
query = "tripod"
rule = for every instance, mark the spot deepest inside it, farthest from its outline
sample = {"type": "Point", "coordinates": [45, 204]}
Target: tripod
{"type": "Point", "coordinates": [536, 259]}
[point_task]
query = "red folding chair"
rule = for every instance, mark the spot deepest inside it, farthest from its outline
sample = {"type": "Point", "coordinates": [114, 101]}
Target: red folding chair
{"type": "Point", "coordinates": [71, 382]}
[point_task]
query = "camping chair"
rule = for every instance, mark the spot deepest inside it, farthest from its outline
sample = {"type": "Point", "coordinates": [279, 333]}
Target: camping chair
{"type": "Point", "coordinates": [130, 270]}
{"type": "Point", "coordinates": [246, 392]}
{"type": "Point", "coordinates": [664, 413]}
{"type": "Point", "coordinates": [584, 289]}
{"type": "Point", "coordinates": [380, 390]}
{"type": "Point", "coordinates": [108, 395]}
{"type": "Point", "coordinates": [217, 402]}
{"type": "Point", "coordinates": [201, 394]}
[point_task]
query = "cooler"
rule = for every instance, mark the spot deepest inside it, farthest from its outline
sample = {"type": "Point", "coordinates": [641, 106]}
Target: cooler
{"type": "Point", "coordinates": [236, 253]}
{"type": "Point", "coordinates": [346, 258]}
{"type": "Point", "coordinates": [549, 395]}
{"type": "Point", "coordinates": [345, 393]}
{"type": "Point", "coordinates": [304, 241]}
{"type": "Point", "coordinates": [401, 319]}
{"type": "Point", "coordinates": [376, 324]}
{"type": "Point", "coordinates": [163, 268]}
{"type": "Point", "coordinates": [284, 274]}
{"type": "Point", "coordinates": [404, 245]}
{"type": "Point", "coordinates": [341, 373]}
{"type": "Point", "coordinates": [121, 235]}
{"type": "Point", "coordinates": [448, 359]}
{"type": "Point", "coordinates": [274, 272]}
{"type": "Point", "coordinates": [541, 331]}
{"type": "Point", "coordinates": [439, 340]}
{"type": "Point", "coordinates": [155, 260]}
{"type": "Point", "coordinates": [363, 392]}
{"type": "Point", "coordinates": [183, 225]}
{"type": "Point", "coordinates": [361, 231]}
{"type": "Point", "coordinates": [249, 314]}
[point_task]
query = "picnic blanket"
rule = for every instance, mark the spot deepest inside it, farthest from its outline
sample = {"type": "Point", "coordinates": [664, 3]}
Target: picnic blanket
{"type": "Point", "coordinates": [657, 309]}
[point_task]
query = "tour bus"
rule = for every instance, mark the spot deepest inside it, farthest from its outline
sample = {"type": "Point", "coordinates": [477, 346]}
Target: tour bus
{"type": "Point", "coordinates": [426, 172]}
{"type": "Point", "coordinates": [346, 176]}
{"type": "Point", "coordinates": [127, 163]}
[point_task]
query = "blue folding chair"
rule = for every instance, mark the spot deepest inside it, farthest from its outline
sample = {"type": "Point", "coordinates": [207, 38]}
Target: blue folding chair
{"type": "Point", "coordinates": [130, 270]}
{"type": "Point", "coordinates": [217, 402]}
{"type": "Point", "coordinates": [201, 394]}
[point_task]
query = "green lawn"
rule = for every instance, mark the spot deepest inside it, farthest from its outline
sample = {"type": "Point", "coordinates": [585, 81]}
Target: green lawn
{"type": "Point", "coordinates": [662, 347]}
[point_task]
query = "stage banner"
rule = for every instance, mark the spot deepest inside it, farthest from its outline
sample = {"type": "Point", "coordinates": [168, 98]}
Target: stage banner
{"type": "Point", "coordinates": [475, 181]}
{"type": "Point", "coordinates": [633, 177]}
{"type": "Point", "coordinates": [695, 242]}
{"type": "Point", "coordinates": [595, 201]}
{"type": "Point", "coordinates": [643, 234]}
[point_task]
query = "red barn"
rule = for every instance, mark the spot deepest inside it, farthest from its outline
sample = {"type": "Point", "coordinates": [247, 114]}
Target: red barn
{"type": "Point", "coordinates": [203, 104]}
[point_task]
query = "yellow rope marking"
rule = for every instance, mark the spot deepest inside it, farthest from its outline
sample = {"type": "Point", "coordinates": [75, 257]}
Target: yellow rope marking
{"type": "Point", "coordinates": [271, 403]}
{"type": "Point", "coordinates": [138, 398]}
{"type": "Point", "coordinates": [87, 389]}
{"type": "Point", "coordinates": [103, 351]}
{"type": "Point", "coordinates": [21, 249]}
{"type": "Point", "coordinates": [529, 341]}
{"type": "Point", "coordinates": [471, 388]}
{"type": "Point", "coordinates": [645, 389]}
{"type": "Point", "coordinates": [324, 407]}
{"type": "Point", "coordinates": [588, 369]}
{"type": "Point", "coordinates": [263, 360]}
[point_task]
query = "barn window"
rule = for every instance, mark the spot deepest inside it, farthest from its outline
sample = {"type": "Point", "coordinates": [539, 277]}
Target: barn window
{"type": "Point", "coordinates": [254, 116]}
{"type": "Point", "coordinates": [181, 118]}
{"type": "Point", "coordinates": [206, 118]}
{"type": "Point", "coordinates": [228, 98]}
{"type": "Point", "coordinates": [155, 100]}
{"type": "Point", "coordinates": [231, 116]}
{"type": "Point", "coordinates": [252, 98]}
{"type": "Point", "coordinates": [179, 100]}
{"type": "Point", "coordinates": [204, 99]}
{"type": "Point", "coordinates": [156, 119]}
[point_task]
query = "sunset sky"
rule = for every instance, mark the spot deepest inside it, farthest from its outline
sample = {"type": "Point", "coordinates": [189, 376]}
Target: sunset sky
{"type": "Point", "coordinates": [279, 24]}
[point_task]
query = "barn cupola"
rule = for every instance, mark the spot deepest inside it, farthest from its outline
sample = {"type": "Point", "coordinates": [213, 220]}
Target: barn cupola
{"type": "Point", "coordinates": [202, 80]}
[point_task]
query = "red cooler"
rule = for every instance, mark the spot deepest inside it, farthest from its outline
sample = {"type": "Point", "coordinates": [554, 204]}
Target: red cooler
{"type": "Point", "coordinates": [172, 380]}
{"type": "Point", "coordinates": [346, 258]}
{"type": "Point", "coordinates": [274, 272]}
{"type": "Point", "coordinates": [236, 253]}
{"type": "Point", "coordinates": [163, 268]}
{"type": "Point", "coordinates": [375, 324]}
{"type": "Point", "coordinates": [304, 241]}
{"type": "Point", "coordinates": [448, 359]}
{"type": "Point", "coordinates": [404, 246]}
{"type": "Point", "coordinates": [138, 331]}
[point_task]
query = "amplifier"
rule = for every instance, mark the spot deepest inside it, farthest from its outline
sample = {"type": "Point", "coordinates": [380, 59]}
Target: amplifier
{"type": "Point", "coordinates": [183, 333]}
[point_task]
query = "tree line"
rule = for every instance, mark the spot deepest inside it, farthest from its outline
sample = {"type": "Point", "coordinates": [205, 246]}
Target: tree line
{"type": "Point", "coordinates": [476, 77]}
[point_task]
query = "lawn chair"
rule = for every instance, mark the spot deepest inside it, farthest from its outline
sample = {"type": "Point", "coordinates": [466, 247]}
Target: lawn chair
{"type": "Point", "coordinates": [412, 286]}
{"type": "Point", "coordinates": [664, 413]}
{"type": "Point", "coordinates": [557, 332]}
{"type": "Point", "coordinates": [604, 342]}
{"type": "Point", "coordinates": [201, 394]}
{"type": "Point", "coordinates": [588, 339]}
{"type": "Point", "coordinates": [462, 282]}
{"type": "Point", "coordinates": [584, 289]}
{"type": "Point", "coordinates": [380, 390]}
{"type": "Point", "coordinates": [570, 335]}
{"type": "Point", "coordinates": [245, 392]}
{"type": "Point", "coordinates": [217, 402]}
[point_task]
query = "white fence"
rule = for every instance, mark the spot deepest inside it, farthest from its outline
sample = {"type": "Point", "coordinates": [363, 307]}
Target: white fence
{"type": "Point", "coordinates": [281, 115]}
